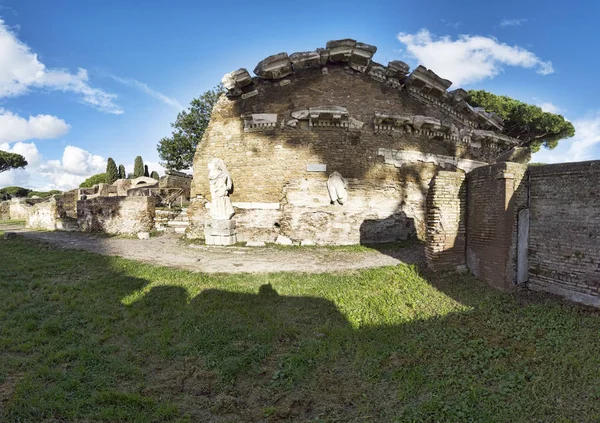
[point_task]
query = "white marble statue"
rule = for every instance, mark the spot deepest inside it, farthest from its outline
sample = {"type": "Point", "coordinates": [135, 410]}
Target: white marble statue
{"type": "Point", "coordinates": [337, 187]}
{"type": "Point", "coordinates": [220, 187]}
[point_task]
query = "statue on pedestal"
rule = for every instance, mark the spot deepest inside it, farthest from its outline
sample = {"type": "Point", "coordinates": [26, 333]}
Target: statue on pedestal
{"type": "Point", "coordinates": [220, 187]}
{"type": "Point", "coordinates": [220, 229]}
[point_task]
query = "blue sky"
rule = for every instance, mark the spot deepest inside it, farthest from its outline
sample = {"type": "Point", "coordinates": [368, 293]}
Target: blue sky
{"type": "Point", "coordinates": [84, 81]}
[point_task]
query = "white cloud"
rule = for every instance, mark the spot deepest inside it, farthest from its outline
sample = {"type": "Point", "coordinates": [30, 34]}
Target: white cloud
{"type": "Point", "coordinates": [579, 148]}
{"type": "Point", "coordinates": [145, 88]}
{"type": "Point", "coordinates": [512, 22]}
{"type": "Point", "coordinates": [75, 166]}
{"type": "Point", "coordinates": [469, 58]}
{"type": "Point", "coordinates": [20, 71]}
{"type": "Point", "coordinates": [550, 108]}
{"type": "Point", "coordinates": [15, 128]}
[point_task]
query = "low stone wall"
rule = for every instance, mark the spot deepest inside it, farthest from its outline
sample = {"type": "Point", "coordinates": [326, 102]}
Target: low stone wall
{"type": "Point", "coordinates": [19, 209]}
{"type": "Point", "coordinates": [5, 210]}
{"type": "Point", "coordinates": [495, 195]}
{"type": "Point", "coordinates": [446, 213]}
{"type": "Point", "coordinates": [58, 212]}
{"type": "Point", "coordinates": [564, 237]}
{"type": "Point", "coordinates": [116, 215]}
{"type": "Point", "coordinates": [374, 213]}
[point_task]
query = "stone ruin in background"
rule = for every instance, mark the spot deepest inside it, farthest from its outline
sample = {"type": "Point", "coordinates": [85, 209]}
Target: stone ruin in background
{"type": "Point", "coordinates": [128, 206]}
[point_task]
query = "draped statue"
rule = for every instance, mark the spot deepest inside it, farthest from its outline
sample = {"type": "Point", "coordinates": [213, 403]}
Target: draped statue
{"type": "Point", "coordinates": [220, 187]}
{"type": "Point", "coordinates": [337, 187]}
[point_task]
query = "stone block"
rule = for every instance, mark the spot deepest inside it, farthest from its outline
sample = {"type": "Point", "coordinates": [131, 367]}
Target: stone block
{"type": "Point", "coordinates": [276, 66]}
{"type": "Point", "coordinates": [255, 244]}
{"type": "Point", "coordinates": [143, 235]}
{"type": "Point", "coordinates": [397, 69]}
{"type": "Point", "coordinates": [316, 167]}
{"type": "Point", "coordinates": [360, 59]}
{"type": "Point", "coordinates": [235, 81]}
{"type": "Point", "coordinates": [340, 50]}
{"type": "Point", "coordinates": [305, 59]}
{"type": "Point", "coordinates": [283, 240]}
{"type": "Point", "coordinates": [220, 232]}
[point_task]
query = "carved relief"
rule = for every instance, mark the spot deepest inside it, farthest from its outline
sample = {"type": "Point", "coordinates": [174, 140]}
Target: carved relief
{"type": "Point", "coordinates": [337, 187]}
{"type": "Point", "coordinates": [254, 122]}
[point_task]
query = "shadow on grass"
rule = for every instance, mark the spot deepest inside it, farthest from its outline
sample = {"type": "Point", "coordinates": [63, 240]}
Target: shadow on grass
{"type": "Point", "coordinates": [93, 338]}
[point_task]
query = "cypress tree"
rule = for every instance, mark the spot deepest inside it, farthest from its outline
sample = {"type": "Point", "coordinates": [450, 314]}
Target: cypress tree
{"type": "Point", "coordinates": [112, 174]}
{"type": "Point", "coordinates": [138, 167]}
{"type": "Point", "coordinates": [154, 175]}
{"type": "Point", "coordinates": [122, 174]}
{"type": "Point", "coordinates": [146, 173]}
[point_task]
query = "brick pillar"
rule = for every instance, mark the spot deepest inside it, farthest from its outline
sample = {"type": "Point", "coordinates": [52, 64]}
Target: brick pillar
{"type": "Point", "coordinates": [446, 211]}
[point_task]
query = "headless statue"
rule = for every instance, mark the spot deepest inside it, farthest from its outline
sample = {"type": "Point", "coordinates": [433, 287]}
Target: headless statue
{"type": "Point", "coordinates": [220, 187]}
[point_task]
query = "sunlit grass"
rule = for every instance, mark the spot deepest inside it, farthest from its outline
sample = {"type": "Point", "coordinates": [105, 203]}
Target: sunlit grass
{"type": "Point", "coordinates": [85, 337]}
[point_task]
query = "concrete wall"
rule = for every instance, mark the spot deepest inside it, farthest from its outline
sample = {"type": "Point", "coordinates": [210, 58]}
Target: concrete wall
{"type": "Point", "coordinates": [446, 213]}
{"type": "Point", "coordinates": [116, 215]}
{"type": "Point", "coordinates": [495, 195]}
{"type": "Point", "coordinates": [564, 237]}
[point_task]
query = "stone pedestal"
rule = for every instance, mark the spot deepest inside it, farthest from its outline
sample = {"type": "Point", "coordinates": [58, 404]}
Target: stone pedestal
{"type": "Point", "coordinates": [220, 232]}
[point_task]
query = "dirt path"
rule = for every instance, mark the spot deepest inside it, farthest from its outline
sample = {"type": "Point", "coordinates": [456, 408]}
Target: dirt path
{"type": "Point", "coordinates": [171, 251]}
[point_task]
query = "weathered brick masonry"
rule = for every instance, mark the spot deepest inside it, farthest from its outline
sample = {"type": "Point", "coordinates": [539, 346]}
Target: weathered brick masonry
{"type": "Point", "coordinates": [446, 212]}
{"type": "Point", "coordinates": [385, 131]}
{"type": "Point", "coordinates": [564, 237]}
{"type": "Point", "coordinates": [495, 195]}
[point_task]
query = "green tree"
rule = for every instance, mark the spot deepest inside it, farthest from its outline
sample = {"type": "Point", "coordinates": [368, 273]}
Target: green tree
{"type": "Point", "coordinates": [526, 122]}
{"type": "Point", "coordinates": [177, 151]}
{"type": "Point", "coordinates": [112, 173]}
{"type": "Point", "coordinates": [138, 167]}
{"type": "Point", "coordinates": [122, 174]}
{"type": "Point", "coordinates": [43, 194]}
{"type": "Point", "coordinates": [10, 161]}
{"type": "Point", "coordinates": [146, 173]}
{"type": "Point", "coordinates": [154, 175]}
{"type": "Point", "coordinates": [99, 178]}
{"type": "Point", "coordinates": [13, 192]}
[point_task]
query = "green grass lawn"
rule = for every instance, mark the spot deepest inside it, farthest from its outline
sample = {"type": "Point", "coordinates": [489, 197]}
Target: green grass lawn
{"type": "Point", "coordinates": [85, 338]}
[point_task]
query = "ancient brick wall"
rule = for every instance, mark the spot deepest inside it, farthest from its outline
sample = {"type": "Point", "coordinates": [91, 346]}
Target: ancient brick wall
{"type": "Point", "coordinates": [446, 213]}
{"type": "Point", "coordinates": [261, 162]}
{"type": "Point", "coordinates": [116, 215]}
{"type": "Point", "coordinates": [265, 163]}
{"type": "Point", "coordinates": [564, 237]}
{"type": "Point", "coordinates": [495, 195]}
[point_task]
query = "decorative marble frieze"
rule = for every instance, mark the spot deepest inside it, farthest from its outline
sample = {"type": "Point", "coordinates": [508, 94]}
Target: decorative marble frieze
{"type": "Point", "coordinates": [324, 117]}
{"type": "Point", "coordinates": [254, 122]}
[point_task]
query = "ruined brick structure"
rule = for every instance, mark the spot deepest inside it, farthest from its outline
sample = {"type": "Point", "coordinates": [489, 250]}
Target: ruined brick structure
{"type": "Point", "coordinates": [309, 114]}
{"type": "Point", "coordinates": [535, 226]}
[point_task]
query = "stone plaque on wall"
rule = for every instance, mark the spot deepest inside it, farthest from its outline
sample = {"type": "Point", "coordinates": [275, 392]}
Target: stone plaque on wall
{"type": "Point", "coordinates": [316, 167]}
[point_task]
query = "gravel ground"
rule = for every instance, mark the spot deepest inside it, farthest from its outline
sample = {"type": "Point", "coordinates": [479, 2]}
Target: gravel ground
{"type": "Point", "coordinates": [169, 250]}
